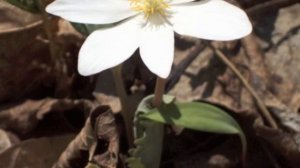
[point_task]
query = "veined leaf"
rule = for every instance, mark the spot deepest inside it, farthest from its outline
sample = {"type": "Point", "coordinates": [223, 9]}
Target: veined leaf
{"type": "Point", "coordinates": [192, 115]}
{"type": "Point", "coordinates": [197, 116]}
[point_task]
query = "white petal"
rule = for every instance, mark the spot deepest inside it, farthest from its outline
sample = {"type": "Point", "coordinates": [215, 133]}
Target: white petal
{"type": "Point", "coordinates": [212, 20]}
{"type": "Point", "coordinates": [106, 48]}
{"type": "Point", "coordinates": [91, 11]}
{"type": "Point", "coordinates": [157, 47]}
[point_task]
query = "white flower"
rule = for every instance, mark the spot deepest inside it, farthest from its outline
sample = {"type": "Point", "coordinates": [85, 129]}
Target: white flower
{"type": "Point", "coordinates": [148, 25]}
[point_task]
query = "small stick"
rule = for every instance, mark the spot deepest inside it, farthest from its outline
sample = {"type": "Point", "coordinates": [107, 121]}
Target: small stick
{"type": "Point", "coordinates": [182, 66]}
{"type": "Point", "coordinates": [260, 103]}
{"type": "Point", "coordinates": [23, 28]}
{"type": "Point", "coordinates": [270, 6]}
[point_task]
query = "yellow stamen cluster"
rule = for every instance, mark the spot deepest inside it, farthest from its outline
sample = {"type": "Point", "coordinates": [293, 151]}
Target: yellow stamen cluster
{"type": "Point", "coordinates": [149, 7]}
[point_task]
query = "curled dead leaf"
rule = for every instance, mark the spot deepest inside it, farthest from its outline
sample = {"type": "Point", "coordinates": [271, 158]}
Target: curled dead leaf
{"type": "Point", "coordinates": [23, 118]}
{"type": "Point", "coordinates": [97, 142]}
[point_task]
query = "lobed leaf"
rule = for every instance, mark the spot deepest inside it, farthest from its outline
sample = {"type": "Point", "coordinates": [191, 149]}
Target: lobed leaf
{"type": "Point", "coordinates": [148, 137]}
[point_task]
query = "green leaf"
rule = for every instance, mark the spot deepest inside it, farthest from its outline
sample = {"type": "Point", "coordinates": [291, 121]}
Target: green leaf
{"type": "Point", "coordinates": [134, 162]}
{"type": "Point", "coordinates": [197, 116]}
{"type": "Point", "coordinates": [148, 137]}
{"type": "Point", "coordinates": [91, 165]}
{"type": "Point", "coordinates": [28, 5]}
{"type": "Point", "coordinates": [87, 29]}
{"type": "Point", "coordinates": [193, 115]}
{"type": "Point", "coordinates": [147, 152]}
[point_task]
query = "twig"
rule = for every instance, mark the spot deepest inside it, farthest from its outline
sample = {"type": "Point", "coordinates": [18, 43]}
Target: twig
{"type": "Point", "coordinates": [181, 67]}
{"type": "Point", "coordinates": [293, 31]}
{"type": "Point", "coordinates": [269, 154]}
{"type": "Point", "coordinates": [23, 28]}
{"type": "Point", "coordinates": [270, 6]}
{"type": "Point", "coordinates": [260, 103]}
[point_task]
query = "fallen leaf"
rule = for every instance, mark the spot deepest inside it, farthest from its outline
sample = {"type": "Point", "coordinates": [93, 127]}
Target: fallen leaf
{"type": "Point", "coordinates": [97, 142]}
{"type": "Point", "coordinates": [34, 153]}
{"type": "Point", "coordinates": [24, 117]}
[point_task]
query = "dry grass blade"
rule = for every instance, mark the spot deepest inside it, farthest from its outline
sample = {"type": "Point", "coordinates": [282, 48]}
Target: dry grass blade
{"type": "Point", "coordinates": [260, 103]}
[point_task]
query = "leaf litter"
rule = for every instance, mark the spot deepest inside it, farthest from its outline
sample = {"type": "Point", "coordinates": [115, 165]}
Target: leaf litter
{"type": "Point", "coordinates": [268, 59]}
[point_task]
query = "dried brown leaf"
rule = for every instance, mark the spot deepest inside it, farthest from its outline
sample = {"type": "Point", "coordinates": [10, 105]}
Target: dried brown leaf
{"type": "Point", "coordinates": [97, 142]}
{"type": "Point", "coordinates": [23, 118]}
{"type": "Point", "coordinates": [34, 153]}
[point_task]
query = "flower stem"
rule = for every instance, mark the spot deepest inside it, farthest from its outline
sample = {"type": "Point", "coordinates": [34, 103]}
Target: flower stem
{"type": "Point", "coordinates": [258, 100]}
{"type": "Point", "coordinates": [47, 28]}
{"type": "Point", "coordinates": [56, 52]}
{"type": "Point", "coordinates": [159, 91]}
{"type": "Point", "coordinates": [126, 113]}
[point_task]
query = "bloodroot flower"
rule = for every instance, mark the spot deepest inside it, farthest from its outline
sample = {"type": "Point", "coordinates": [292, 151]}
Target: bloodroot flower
{"type": "Point", "coordinates": [148, 25]}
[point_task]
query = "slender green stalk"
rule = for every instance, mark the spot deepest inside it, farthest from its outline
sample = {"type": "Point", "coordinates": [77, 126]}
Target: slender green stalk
{"type": "Point", "coordinates": [159, 91]}
{"type": "Point", "coordinates": [55, 50]}
{"type": "Point", "coordinates": [126, 113]}
{"type": "Point", "coordinates": [258, 100]}
{"type": "Point", "coordinates": [48, 28]}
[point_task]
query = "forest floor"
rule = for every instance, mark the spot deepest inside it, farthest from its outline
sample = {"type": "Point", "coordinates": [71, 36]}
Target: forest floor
{"type": "Point", "coordinates": [42, 110]}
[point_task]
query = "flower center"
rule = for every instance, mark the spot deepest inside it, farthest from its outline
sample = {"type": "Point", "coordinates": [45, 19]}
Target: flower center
{"type": "Point", "coordinates": [150, 7]}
